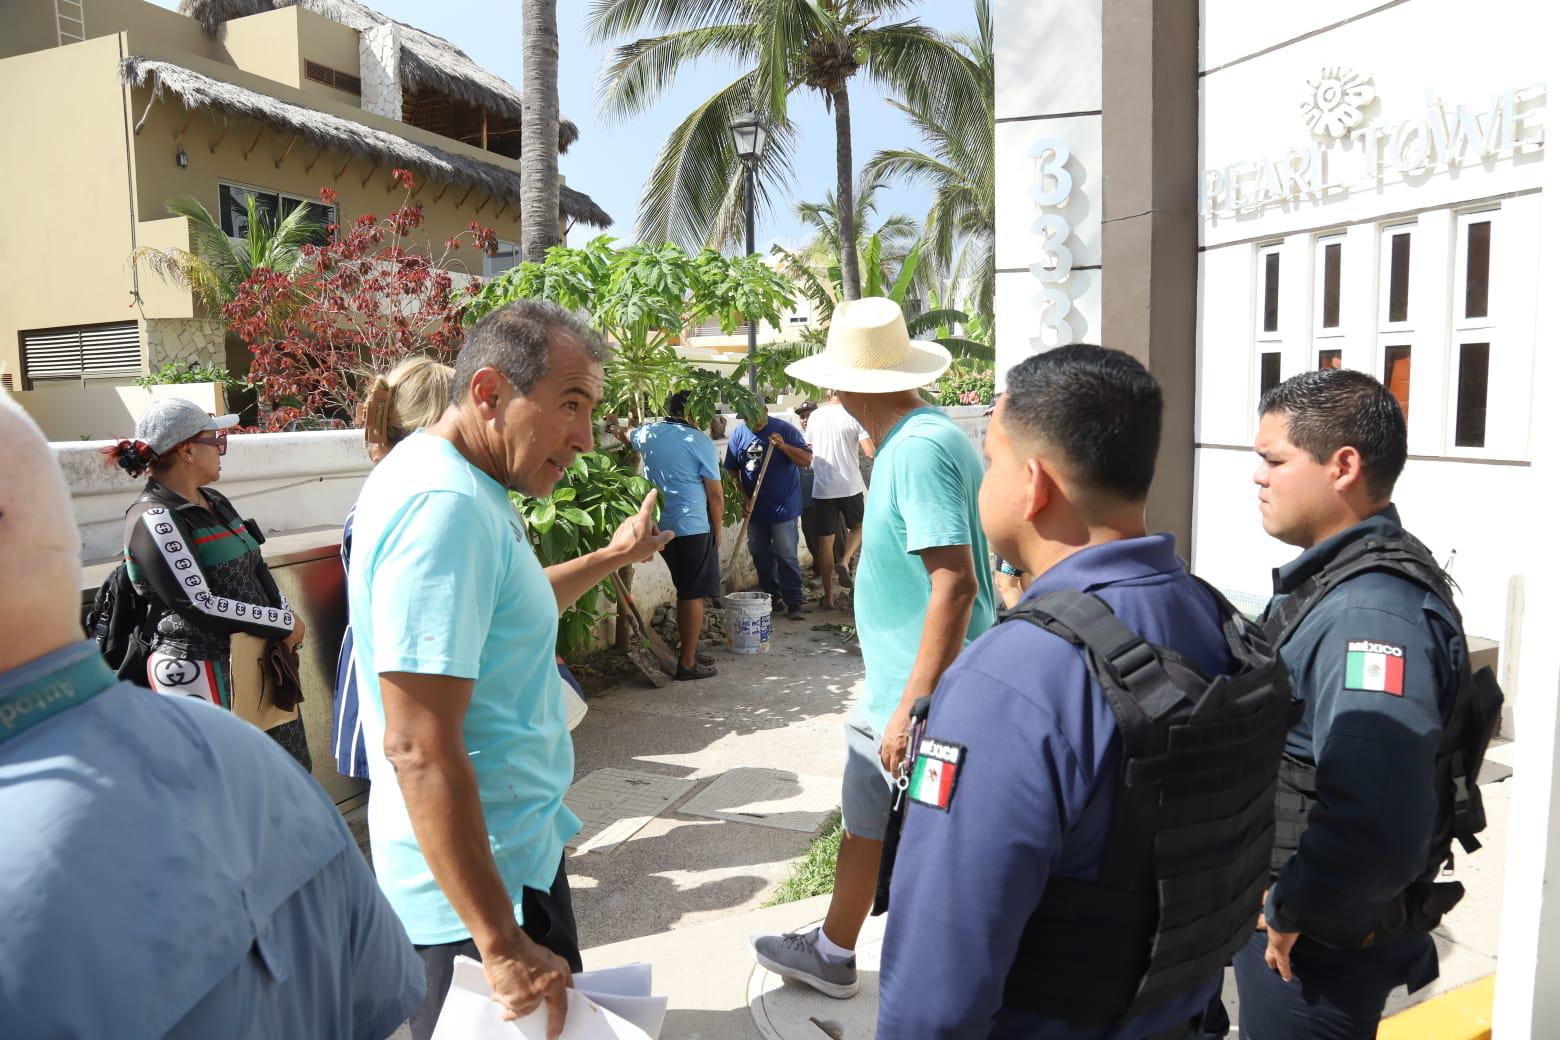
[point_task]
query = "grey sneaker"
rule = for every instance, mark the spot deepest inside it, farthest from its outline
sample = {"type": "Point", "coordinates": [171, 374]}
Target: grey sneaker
{"type": "Point", "coordinates": [795, 955]}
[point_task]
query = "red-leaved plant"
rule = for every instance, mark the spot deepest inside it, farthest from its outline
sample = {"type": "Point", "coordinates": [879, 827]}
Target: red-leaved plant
{"type": "Point", "coordinates": [366, 301]}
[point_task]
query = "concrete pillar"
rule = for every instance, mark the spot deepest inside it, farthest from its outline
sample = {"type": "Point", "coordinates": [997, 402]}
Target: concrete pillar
{"type": "Point", "coordinates": [1149, 304]}
{"type": "Point", "coordinates": [1527, 1003]}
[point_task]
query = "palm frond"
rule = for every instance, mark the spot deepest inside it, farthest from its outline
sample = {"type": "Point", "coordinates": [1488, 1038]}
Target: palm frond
{"type": "Point", "coordinates": [693, 177]}
{"type": "Point", "coordinates": [961, 347]}
{"type": "Point", "coordinates": [807, 280]}
{"type": "Point", "coordinates": [928, 321]}
{"type": "Point", "coordinates": [638, 73]}
{"type": "Point", "coordinates": [609, 19]}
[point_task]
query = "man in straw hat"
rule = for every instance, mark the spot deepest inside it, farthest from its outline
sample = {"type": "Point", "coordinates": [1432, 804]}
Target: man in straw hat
{"type": "Point", "coordinates": [923, 591]}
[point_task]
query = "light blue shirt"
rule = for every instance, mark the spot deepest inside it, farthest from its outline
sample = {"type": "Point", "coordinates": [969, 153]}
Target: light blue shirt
{"type": "Point", "coordinates": [166, 869]}
{"type": "Point", "coordinates": [925, 494]}
{"type": "Point", "coordinates": [444, 582]}
{"type": "Point", "coordinates": [678, 460]}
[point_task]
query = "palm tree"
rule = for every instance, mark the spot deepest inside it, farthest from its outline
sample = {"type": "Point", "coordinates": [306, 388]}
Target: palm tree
{"type": "Point", "coordinates": [958, 124]}
{"type": "Point", "coordinates": [693, 196]}
{"type": "Point", "coordinates": [539, 130]}
{"type": "Point", "coordinates": [896, 234]}
{"type": "Point", "coordinates": [215, 265]}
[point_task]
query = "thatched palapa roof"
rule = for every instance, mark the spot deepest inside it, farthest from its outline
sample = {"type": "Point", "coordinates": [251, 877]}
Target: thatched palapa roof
{"type": "Point", "coordinates": [327, 131]}
{"type": "Point", "coordinates": [428, 62]}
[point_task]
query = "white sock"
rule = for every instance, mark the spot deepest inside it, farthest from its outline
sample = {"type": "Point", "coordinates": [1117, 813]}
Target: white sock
{"type": "Point", "coordinates": [831, 952]}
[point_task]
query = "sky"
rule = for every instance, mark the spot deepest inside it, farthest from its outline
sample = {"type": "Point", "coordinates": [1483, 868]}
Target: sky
{"type": "Point", "coordinates": [611, 161]}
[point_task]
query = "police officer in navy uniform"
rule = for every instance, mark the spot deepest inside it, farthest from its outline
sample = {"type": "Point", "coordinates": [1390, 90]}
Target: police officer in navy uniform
{"type": "Point", "coordinates": [1362, 833]}
{"type": "Point", "coordinates": [1024, 893]}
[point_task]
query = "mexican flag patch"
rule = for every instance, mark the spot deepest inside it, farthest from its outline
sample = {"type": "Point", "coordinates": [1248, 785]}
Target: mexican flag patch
{"type": "Point", "coordinates": [1374, 667]}
{"type": "Point", "coordinates": [936, 772]}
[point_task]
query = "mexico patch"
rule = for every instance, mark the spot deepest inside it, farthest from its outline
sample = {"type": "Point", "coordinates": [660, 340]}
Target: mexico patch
{"type": "Point", "coordinates": [1374, 667]}
{"type": "Point", "coordinates": [936, 772]}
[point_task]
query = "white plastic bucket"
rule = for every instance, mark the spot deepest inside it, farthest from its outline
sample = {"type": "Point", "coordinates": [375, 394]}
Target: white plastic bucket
{"type": "Point", "coordinates": [747, 622]}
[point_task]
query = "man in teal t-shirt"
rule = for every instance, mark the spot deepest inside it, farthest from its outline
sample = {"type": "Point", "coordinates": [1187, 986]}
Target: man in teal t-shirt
{"type": "Point", "coordinates": [923, 591]}
{"type": "Point", "coordinates": [455, 623]}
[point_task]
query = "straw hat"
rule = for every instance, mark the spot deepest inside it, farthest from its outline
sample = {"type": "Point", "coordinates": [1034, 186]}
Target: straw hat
{"type": "Point", "coordinates": [870, 352]}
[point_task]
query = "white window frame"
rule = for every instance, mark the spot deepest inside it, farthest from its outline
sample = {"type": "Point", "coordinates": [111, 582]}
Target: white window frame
{"type": "Point", "coordinates": [1384, 325]}
{"type": "Point", "coordinates": [1319, 290]}
{"type": "Point", "coordinates": [1465, 330]}
{"type": "Point", "coordinates": [504, 246]}
{"type": "Point", "coordinates": [1396, 333]}
{"type": "Point", "coordinates": [1460, 321]}
{"type": "Point", "coordinates": [1264, 341]}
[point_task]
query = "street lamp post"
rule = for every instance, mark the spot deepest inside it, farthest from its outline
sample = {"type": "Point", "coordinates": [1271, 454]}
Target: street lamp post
{"type": "Point", "coordinates": [747, 130]}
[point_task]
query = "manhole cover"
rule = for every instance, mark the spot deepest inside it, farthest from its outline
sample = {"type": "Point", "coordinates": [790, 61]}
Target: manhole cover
{"type": "Point", "coordinates": [767, 797]}
{"type": "Point", "coordinates": [785, 1010]}
{"type": "Point", "coordinates": [613, 804]}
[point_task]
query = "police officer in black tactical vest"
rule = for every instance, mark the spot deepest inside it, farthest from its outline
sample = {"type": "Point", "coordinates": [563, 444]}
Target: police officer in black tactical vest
{"type": "Point", "coordinates": [1377, 776]}
{"type": "Point", "coordinates": [1087, 821]}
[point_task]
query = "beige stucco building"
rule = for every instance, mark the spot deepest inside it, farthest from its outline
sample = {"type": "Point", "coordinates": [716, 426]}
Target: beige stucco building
{"type": "Point", "coordinates": [118, 105]}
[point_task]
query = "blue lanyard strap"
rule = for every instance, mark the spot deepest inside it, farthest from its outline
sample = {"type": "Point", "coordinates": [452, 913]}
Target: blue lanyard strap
{"type": "Point", "coordinates": [48, 695]}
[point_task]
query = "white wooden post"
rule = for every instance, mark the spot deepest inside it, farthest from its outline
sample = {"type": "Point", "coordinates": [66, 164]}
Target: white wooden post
{"type": "Point", "coordinates": [1527, 1001]}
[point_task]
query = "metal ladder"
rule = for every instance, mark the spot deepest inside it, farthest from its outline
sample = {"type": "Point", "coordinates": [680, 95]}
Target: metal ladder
{"type": "Point", "coordinates": [72, 28]}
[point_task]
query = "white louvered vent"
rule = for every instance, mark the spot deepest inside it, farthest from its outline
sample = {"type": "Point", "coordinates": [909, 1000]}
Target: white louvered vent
{"type": "Point", "coordinates": [81, 351]}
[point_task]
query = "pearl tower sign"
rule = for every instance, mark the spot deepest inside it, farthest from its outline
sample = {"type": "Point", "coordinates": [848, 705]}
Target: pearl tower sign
{"type": "Point", "coordinates": [1349, 151]}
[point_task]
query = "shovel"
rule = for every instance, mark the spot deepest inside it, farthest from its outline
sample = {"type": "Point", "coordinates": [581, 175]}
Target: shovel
{"type": "Point", "coordinates": [758, 484]}
{"type": "Point", "coordinates": [648, 636]}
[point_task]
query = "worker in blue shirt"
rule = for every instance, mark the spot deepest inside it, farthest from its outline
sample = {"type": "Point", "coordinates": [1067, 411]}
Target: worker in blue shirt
{"type": "Point", "coordinates": [1016, 776]}
{"type": "Point", "coordinates": [1361, 833]}
{"type": "Point", "coordinates": [166, 869]}
{"type": "Point", "coordinates": [773, 506]}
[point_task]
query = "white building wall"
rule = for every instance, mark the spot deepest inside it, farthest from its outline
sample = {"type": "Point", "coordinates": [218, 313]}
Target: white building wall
{"type": "Point", "coordinates": [1048, 87]}
{"type": "Point", "coordinates": [1418, 53]}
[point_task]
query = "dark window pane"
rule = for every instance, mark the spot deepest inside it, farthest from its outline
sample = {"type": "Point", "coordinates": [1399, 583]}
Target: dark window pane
{"type": "Point", "coordinates": [1397, 296]}
{"type": "Point", "coordinates": [1332, 276]}
{"type": "Point", "coordinates": [1270, 371]}
{"type": "Point", "coordinates": [234, 203]}
{"type": "Point", "coordinates": [1476, 303]}
{"type": "Point", "coordinates": [1270, 294]}
{"type": "Point", "coordinates": [1395, 374]}
{"type": "Point", "coordinates": [319, 213]}
{"type": "Point", "coordinates": [1326, 359]}
{"type": "Point", "coordinates": [1473, 389]}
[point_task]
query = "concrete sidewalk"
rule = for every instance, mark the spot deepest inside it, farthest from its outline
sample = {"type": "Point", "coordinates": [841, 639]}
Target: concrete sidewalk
{"type": "Point", "coordinates": [717, 991]}
{"type": "Point", "coordinates": [781, 710]}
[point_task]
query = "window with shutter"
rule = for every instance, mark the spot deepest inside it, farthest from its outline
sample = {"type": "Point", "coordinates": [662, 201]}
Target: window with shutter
{"type": "Point", "coordinates": [81, 352]}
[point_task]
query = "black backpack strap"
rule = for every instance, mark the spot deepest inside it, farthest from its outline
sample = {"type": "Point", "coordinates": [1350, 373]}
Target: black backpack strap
{"type": "Point", "coordinates": [1247, 641]}
{"type": "Point", "coordinates": [1140, 693]}
{"type": "Point", "coordinates": [1402, 555]}
{"type": "Point", "coordinates": [1084, 620]}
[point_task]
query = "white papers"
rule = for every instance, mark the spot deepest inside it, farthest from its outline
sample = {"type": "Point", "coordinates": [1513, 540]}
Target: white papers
{"type": "Point", "coordinates": [614, 1004]}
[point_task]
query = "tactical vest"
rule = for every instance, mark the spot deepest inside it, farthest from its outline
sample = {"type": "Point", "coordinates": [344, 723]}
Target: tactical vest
{"type": "Point", "coordinates": [1465, 735]}
{"type": "Point", "coordinates": [1186, 856]}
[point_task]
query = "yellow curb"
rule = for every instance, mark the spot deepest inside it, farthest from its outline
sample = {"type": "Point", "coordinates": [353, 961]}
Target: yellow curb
{"type": "Point", "coordinates": [1460, 1014]}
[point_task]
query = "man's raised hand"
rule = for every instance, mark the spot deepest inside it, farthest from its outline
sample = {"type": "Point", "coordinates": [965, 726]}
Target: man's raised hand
{"type": "Point", "coordinates": [637, 538]}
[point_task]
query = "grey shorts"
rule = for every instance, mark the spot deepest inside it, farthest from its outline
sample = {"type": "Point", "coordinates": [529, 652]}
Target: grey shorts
{"type": "Point", "coordinates": [867, 793]}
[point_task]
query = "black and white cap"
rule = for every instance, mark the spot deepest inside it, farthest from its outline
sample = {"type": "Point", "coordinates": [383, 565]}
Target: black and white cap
{"type": "Point", "coordinates": [173, 420]}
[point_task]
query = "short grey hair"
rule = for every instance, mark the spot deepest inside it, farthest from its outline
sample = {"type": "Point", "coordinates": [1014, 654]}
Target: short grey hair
{"type": "Point", "coordinates": [515, 340]}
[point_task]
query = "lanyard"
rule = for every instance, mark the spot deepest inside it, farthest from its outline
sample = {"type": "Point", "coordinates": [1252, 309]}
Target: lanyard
{"type": "Point", "coordinates": [47, 696]}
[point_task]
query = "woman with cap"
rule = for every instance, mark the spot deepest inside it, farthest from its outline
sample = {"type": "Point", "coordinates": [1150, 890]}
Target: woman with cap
{"type": "Point", "coordinates": [412, 396]}
{"type": "Point", "coordinates": [198, 563]}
